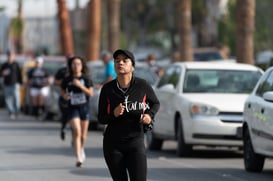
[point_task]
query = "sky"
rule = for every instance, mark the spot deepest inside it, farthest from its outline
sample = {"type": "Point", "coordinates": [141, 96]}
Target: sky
{"type": "Point", "coordinates": [37, 7]}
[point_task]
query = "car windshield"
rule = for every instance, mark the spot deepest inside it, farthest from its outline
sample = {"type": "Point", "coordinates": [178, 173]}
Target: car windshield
{"type": "Point", "coordinates": [220, 81]}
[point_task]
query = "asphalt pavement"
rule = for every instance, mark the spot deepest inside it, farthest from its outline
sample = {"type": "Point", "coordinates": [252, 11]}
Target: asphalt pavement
{"type": "Point", "coordinates": [32, 150]}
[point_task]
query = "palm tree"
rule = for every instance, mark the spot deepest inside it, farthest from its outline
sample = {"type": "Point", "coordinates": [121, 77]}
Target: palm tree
{"type": "Point", "coordinates": [113, 17]}
{"type": "Point", "coordinates": [67, 46]}
{"type": "Point", "coordinates": [185, 28]}
{"type": "Point", "coordinates": [16, 30]}
{"type": "Point", "coordinates": [94, 30]}
{"type": "Point", "coordinates": [245, 28]}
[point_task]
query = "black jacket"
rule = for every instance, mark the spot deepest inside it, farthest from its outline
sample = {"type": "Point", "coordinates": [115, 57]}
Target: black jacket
{"type": "Point", "coordinates": [15, 74]}
{"type": "Point", "coordinates": [138, 96]}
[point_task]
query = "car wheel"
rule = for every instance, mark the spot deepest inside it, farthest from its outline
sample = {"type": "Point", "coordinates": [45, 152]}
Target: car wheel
{"type": "Point", "coordinates": [183, 149]}
{"type": "Point", "coordinates": [253, 162]}
{"type": "Point", "coordinates": [152, 143]}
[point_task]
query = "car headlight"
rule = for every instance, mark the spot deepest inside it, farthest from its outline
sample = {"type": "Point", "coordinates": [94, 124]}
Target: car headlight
{"type": "Point", "coordinates": [201, 109]}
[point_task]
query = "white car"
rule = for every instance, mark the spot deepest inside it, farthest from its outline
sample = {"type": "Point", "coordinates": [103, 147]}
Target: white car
{"type": "Point", "coordinates": [201, 103]}
{"type": "Point", "coordinates": [258, 124]}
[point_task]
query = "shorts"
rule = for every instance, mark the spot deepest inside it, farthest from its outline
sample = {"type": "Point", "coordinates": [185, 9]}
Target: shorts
{"type": "Point", "coordinates": [81, 111]}
{"type": "Point", "coordinates": [44, 91]}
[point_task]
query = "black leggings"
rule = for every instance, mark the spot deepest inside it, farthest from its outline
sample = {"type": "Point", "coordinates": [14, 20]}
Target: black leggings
{"type": "Point", "coordinates": [126, 157]}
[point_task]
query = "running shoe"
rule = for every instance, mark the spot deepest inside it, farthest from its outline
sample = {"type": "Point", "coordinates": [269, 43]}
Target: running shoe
{"type": "Point", "coordinates": [78, 164]}
{"type": "Point", "coordinates": [83, 156]}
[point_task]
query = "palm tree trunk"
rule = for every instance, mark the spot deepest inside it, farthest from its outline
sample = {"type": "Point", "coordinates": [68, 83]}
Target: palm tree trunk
{"type": "Point", "coordinates": [16, 29]}
{"type": "Point", "coordinates": [185, 29]}
{"type": "Point", "coordinates": [66, 38]}
{"type": "Point", "coordinates": [19, 43]}
{"type": "Point", "coordinates": [245, 28]}
{"type": "Point", "coordinates": [113, 10]}
{"type": "Point", "coordinates": [94, 30]}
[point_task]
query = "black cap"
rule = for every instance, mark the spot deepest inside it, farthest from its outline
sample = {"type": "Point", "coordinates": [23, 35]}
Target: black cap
{"type": "Point", "coordinates": [125, 52]}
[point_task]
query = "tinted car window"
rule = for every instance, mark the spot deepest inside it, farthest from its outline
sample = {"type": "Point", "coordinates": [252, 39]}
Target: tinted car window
{"type": "Point", "coordinates": [266, 85]}
{"type": "Point", "coordinates": [171, 76]}
{"type": "Point", "coordinates": [174, 77]}
{"type": "Point", "coordinates": [220, 81]}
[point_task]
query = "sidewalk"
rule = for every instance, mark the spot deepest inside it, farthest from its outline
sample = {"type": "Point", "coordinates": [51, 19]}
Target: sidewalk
{"type": "Point", "coordinates": [32, 150]}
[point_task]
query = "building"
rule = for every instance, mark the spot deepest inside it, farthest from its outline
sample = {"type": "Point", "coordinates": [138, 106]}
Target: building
{"type": "Point", "coordinates": [41, 35]}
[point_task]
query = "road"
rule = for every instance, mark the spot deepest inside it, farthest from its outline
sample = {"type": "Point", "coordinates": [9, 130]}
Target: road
{"type": "Point", "coordinates": [31, 150]}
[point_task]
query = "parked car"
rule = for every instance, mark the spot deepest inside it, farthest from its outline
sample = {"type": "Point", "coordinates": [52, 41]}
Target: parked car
{"type": "Point", "coordinates": [207, 54]}
{"type": "Point", "coordinates": [258, 124]}
{"type": "Point", "coordinates": [96, 70]}
{"type": "Point", "coordinates": [202, 104]}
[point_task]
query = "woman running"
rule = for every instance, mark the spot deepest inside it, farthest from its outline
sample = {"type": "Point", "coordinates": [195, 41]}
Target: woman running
{"type": "Point", "coordinates": [127, 105]}
{"type": "Point", "coordinates": [77, 88]}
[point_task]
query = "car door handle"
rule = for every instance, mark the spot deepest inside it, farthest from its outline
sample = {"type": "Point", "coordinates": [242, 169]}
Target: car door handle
{"type": "Point", "coordinates": [262, 110]}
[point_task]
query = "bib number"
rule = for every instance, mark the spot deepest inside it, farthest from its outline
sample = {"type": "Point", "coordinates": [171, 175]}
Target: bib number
{"type": "Point", "coordinates": [78, 98]}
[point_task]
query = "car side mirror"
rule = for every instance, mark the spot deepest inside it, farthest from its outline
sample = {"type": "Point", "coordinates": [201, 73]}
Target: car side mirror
{"type": "Point", "coordinates": [268, 96]}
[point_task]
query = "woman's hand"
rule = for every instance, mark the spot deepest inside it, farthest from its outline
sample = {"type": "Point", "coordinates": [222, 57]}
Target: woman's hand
{"type": "Point", "coordinates": [145, 119]}
{"type": "Point", "coordinates": [77, 83]}
{"type": "Point", "coordinates": [119, 110]}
